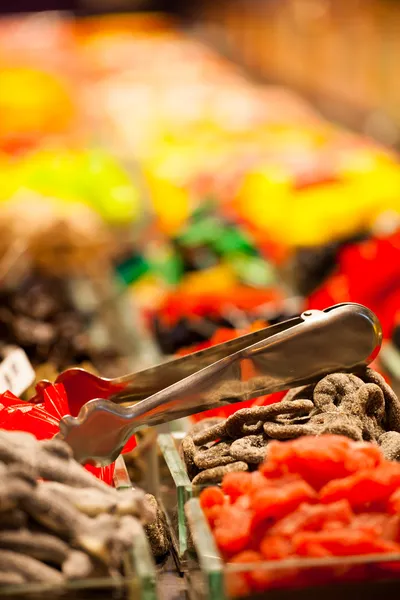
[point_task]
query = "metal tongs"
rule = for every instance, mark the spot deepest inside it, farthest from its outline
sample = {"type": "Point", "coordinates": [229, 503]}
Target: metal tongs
{"type": "Point", "coordinates": [345, 337]}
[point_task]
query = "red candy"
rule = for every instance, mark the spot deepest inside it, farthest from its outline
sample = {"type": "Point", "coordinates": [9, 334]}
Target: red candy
{"type": "Point", "coordinates": [368, 273]}
{"type": "Point", "coordinates": [341, 542]}
{"type": "Point", "coordinates": [394, 503]}
{"type": "Point", "coordinates": [309, 517]}
{"type": "Point", "coordinates": [315, 497]}
{"type": "Point", "coordinates": [275, 547]}
{"type": "Point", "coordinates": [319, 460]}
{"type": "Point", "coordinates": [212, 496]}
{"type": "Point", "coordinates": [365, 488]}
{"type": "Point", "coordinates": [232, 530]}
{"type": "Point", "coordinates": [276, 502]}
{"type": "Point", "coordinates": [235, 485]}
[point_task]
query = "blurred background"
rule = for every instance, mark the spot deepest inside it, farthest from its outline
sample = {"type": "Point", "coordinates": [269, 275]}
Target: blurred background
{"type": "Point", "coordinates": [175, 174]}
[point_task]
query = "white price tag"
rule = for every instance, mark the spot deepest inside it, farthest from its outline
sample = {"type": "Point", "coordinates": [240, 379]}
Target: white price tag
{"type": "Point", "coordinates": [16, 372]}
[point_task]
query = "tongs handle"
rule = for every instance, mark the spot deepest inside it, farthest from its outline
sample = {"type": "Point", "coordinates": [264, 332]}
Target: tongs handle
{"type": "Point", "coordinates": [342, 338]}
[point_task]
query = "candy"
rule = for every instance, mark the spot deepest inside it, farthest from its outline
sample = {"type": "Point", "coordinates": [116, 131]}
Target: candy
{"type": "Point", "coordinates": [309, 517]}
{"type": "Point", "coordinates": [358, 407]}
{"type": "Point", "coordinates": [157, 530]}
{"type": "Point", "coordinates": [232, 530]}
{"type": "Point", "coordinates": [40, 317]}
{"type": "Point", "coordinates": [216, 474]}
{"type": "Point", "coordinates": [274, 503]}
{"type": "Point", "coordinates": [365, 487]}
{"type": "Point", "coordinates": [217, 455]}
{"type": "Point", "coordinates": [213, 496]}
{"type": "Point", "coordinates": [314, 497]}
{"type": "Point", "coordinates": [29, 569]}
{"type": "Point", "coordinates": [71, 525]}
{"type": "Point", "coordinates": [341, 542]}
{"type": "Point", "coordinates": [250, 420]}
{"type": "Point", "coordinates": [394, 503]}
{"type": "Point", "coordinates": [250, 449]}
{"type": "Point", "coordinates": [42, 546]}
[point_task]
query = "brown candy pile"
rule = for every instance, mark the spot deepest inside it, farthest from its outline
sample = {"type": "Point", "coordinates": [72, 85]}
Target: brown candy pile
{"type": "Point", "coordinates": [69, 526]}
{"type": "Point", "coordinates": [39, 316]}
{"type": "Point", "coordinates": [361, 407]}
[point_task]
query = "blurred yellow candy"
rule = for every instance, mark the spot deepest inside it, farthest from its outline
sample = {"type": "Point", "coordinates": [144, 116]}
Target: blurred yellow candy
{"type": "Point", "coordinates": [171, 204]}
{"type": "Point", "coordinates": [322, 213]}
{"type": "Point", "coordinates": [33, 102]}
{"type": "Point", "coordinates": [216, 280]}
{"type": "Point", "coordinates": [263, 198]}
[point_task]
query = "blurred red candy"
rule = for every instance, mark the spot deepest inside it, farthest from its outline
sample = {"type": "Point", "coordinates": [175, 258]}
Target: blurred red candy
{"type": "Point", "coordinates": [212, 496]}
{"type": "Point", "coordinates": [275, 503]}
{"type": "Point", "coordinates": [321, 459]}
{"type": "Point", "coordinates": [364, 488]}
{"type": "Point", "coordinates": [394, 503]}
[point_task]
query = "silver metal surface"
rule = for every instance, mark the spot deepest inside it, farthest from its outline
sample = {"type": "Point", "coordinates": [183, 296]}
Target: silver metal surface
{"type": "Point", "coordinates": [343, 338]}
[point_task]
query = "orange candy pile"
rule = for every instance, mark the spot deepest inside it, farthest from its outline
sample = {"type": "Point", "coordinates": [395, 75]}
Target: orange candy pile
{"type": "Point", "coordinates": [314, 497]}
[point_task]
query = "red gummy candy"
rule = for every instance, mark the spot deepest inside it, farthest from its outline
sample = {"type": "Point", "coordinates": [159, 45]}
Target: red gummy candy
{"type": "Point", "coordinates": [344, 542]}
{"type": "Point", "coordinates": [275, 547]}
{"type": "Point", "coordinates": [276, 514]}
{"type": "Point", "coordinates": [236, 484]}
{"type": "Point", "coordinates": [313, 517]}
{"type": "Point", "coordinates": [394, 503]}
{"type": "Point", "coordinates": [275, 480]}
{"type": "Point", "coordinates": [365, 487]}
{"type": "Point", "coordinates": [275, 503]}
{"type": "Point", "coordinates": [319, 460]}
{"type": "Point", "coordinates": [211, 496]}
{"type": "Point", "coordinates": [363, 456]}
{"type": "Point", "coordinates": [232, 530]}
{"type": "Point", "coordinates": [378, 525]}
{"type": "Point", "coordinates": [212, 514]}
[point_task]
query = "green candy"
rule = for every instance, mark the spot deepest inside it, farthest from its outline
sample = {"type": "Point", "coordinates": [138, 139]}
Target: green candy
{"type": "Point", "coordinates": [132, 269]}
{"type": "Point", "coordinates": [90, 176]}
{"type": "Point", "coordinates": [252, 270]}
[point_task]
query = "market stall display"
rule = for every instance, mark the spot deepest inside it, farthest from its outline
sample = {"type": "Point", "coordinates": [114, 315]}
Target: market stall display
{"type": "Point", "coordinates": [135, 161]}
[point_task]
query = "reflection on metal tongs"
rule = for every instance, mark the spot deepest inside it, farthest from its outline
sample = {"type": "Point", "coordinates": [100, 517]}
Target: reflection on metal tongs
{"type": "Point", "coordinates": [344, 337]}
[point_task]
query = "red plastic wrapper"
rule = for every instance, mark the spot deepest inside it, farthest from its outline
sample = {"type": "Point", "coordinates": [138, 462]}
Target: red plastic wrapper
{"type": "Point", "coordinates": [42, 420]}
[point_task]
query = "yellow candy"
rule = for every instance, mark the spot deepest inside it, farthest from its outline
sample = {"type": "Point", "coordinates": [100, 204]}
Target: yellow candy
{"type": "Point", "coordinates": [264, 197]}
{"type": "Point", "coordinates": [217, 279]}
{"type": "Point", "coordinates": [171, 204]}
{"type": "Point", "coordinates": [322, 213]}
{"type": "Point", "coordinates": [33, 102]}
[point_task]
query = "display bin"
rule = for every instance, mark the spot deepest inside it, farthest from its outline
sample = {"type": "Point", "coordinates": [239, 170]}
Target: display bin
{"type": "Point", "coordinates": [367, 577]}
{"type": "Point", "coordinates": [137, 583]}
{"type": "Point", "coordinates": [174, 492]}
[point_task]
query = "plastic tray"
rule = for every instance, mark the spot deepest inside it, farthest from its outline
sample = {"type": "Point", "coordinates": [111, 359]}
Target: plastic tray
{"type": "Point", "coordinates": [138, 582]}
{"type": "Point", "coordinates": [209, 577]}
